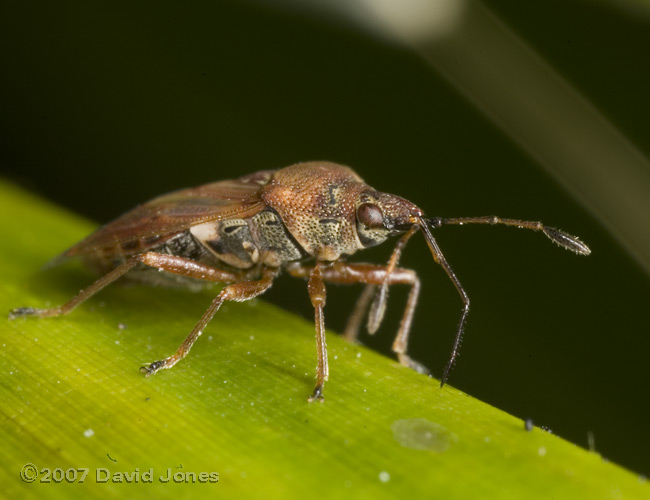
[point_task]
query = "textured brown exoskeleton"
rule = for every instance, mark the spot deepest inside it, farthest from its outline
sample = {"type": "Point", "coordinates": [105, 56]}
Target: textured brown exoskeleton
{"type": "Point", "coordinates": [304, 218]}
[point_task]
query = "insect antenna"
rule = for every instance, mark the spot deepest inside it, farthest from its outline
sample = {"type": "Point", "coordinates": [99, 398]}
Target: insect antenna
{"type": "Point", "coordinates": [563, 239]}
{"type": "Point", "coordinates": [440, 259]}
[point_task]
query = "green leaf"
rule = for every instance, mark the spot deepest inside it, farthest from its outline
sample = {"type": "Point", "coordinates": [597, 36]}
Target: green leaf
{"type": "Point", "coordinates": [72, 399]}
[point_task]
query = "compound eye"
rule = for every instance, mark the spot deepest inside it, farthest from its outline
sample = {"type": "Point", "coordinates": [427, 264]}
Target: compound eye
{"type": "Point", "coordinates": [370, 215]}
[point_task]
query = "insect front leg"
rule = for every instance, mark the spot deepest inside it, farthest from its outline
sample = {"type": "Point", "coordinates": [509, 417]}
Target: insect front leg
{"type": "Point", "coordinates": [378, 306]}
{"type": "Point", "coordinates": [238, 292]}
{"type": "Point", "coordinates": [352, 327]}
{"type": "Point", "coordinates": [349, 273]}
{"type": "Point", "coordinates": [169, 263]}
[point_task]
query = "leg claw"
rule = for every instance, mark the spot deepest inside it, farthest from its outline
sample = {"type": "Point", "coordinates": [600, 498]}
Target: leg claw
{"type": "Point", "coordinates": [23, 311]}
{"type": "Point", "coordinates": [413, 365]}
{"type": "Point", "coordinates": [317, 395]}
{"type": "Point", "coordinates": [152, 368]}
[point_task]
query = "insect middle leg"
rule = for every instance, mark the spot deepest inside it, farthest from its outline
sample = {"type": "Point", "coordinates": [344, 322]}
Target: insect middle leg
{"type": "Point", "coordinates": [238, 292]}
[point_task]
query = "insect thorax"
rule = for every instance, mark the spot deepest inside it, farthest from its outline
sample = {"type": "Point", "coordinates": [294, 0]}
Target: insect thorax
{"type": "Point", "coordinates": [244, 243]}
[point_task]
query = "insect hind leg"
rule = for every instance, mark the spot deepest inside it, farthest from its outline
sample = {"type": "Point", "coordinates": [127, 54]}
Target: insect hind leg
{"type": "Point", "coordinates": [169, 263]}
{"type": "Point", "coordinates": [82, 296]}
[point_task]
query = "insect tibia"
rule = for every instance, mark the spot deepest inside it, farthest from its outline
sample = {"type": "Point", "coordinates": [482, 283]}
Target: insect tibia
{"type": "Point", "coordinates": [567, 241]}
{"type": "Point", "coordinates": [377, 310]}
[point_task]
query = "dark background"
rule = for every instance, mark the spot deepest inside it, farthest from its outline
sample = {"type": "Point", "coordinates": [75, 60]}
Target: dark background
{"type": "Point", "coordinates": [107, 105]}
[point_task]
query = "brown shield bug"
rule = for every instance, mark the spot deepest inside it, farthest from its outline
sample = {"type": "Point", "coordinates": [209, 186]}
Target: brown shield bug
{"type": "Point", "coordinates": [305, 219]}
